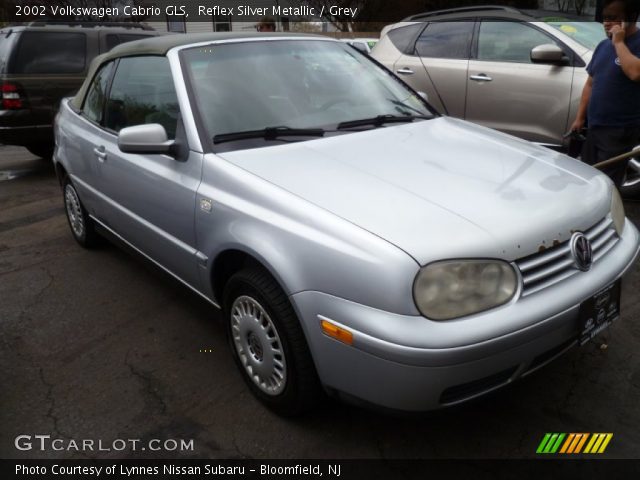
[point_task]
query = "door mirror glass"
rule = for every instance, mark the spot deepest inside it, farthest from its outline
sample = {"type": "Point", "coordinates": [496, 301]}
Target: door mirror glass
{"type": "Point", "coordinates": [150, 138]}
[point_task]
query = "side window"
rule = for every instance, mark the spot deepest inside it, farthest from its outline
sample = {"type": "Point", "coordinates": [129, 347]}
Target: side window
{"type": "Point", "coordinates": [143, 92]}
{"type": "Point", "coordinates": [93, 107]}
{"type": "Point", "coordinates": [51, 52]}
{"type": "Point", "coordinates": [509, 41]}
{"type": "Point", "coordinates": [445, 40]}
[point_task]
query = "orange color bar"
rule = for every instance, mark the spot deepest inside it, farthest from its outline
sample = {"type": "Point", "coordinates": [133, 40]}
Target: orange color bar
{"type": "Point", "coordinates": [575, 442]}
{"type": "Point", "coordinates": [567, 442]}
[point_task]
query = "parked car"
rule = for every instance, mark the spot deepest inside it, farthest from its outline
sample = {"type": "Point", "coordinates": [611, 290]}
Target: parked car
{"type": "Point", "coordinates": [41, 63]}
{"type": "Point", "coordinates": [499, 67]}
{"type": "Point", "coordinates": [356, 241]}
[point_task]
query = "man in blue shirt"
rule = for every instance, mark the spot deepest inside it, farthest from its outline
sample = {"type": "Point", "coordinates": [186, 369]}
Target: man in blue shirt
{"type": "Point", "coordinates": [610, 102]}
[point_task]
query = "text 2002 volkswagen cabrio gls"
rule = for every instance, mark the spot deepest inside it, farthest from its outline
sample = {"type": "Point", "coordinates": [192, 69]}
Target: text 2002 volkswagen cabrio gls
{"type": "Point", "coordinates": [356, 241]}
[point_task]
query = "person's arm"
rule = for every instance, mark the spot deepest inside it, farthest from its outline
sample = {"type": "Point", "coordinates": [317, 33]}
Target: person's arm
{"type": "Point", "coordinates": [629, 63]}
{"type": "Point", "coordinates": [581, 116]}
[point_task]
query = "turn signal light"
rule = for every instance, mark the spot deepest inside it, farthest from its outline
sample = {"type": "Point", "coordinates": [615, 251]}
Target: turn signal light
{"type": "Point", "coordinates": [334, 331]}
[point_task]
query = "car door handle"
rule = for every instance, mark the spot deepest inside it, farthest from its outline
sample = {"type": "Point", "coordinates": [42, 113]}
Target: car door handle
{"type": "Point", "coordinates": [100, 153]}
{"type": "Point", "coordinates": [405, 71]}
{"type": "Point", "coordinates": [480, 78]}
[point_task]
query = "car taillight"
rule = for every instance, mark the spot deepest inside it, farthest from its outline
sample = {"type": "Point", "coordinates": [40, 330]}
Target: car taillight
{"type": "Point", "coordinates": [11, 99]}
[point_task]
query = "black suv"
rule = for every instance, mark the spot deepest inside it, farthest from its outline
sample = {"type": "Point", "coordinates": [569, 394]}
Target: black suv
{"type": "Point", "coordinates": [41, 63]}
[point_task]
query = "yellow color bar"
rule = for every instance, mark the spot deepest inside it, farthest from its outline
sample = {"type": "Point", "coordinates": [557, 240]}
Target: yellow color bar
{"type": "Point", "coordinates": [599, 440]}
{"type": "Point", "coordinates": [567, 442]}
{"type": "Point", "coordinates": [591, 442]}
{"type": "Point", "coordinates": [339, 333]}
{"type": "Point", "coordinates": [607, 439]}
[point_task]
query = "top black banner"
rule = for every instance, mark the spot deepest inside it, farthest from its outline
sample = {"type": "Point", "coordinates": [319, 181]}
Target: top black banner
{"type": "Point", "coordinates": [344, 15]}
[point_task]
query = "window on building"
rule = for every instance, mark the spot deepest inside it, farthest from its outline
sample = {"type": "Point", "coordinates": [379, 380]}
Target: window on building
{"type": "Point", "coordinates": [222, 23]}
{"type": "Point", "coordinates": [176, 23]}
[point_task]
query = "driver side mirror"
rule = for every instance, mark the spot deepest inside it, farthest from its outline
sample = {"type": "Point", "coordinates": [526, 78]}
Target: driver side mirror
{"type": "Point", "coordinates": [150, 138]}
{"type": "Point", "coordinates": [548, 53]}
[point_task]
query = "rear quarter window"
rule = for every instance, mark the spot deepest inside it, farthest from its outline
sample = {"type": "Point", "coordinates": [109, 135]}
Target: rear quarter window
{"type": "Point", "coordinates": [403, 38]}
{"type": "Point", "coordinates": [6, 42]}
{"type": "Point", "coordinates": [50, 53]}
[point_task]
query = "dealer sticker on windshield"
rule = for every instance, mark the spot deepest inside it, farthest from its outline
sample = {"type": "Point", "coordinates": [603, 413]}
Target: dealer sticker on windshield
{"type": "Point", "coordinates": [599, 311]}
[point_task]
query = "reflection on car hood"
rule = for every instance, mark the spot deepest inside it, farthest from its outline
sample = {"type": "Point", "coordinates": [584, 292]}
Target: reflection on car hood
{"type": "Point", "coordinates": [440, 188]}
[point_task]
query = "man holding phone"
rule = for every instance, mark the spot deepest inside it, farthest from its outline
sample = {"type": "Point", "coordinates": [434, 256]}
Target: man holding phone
{"type": "Point", "coordinates": [610, 102]}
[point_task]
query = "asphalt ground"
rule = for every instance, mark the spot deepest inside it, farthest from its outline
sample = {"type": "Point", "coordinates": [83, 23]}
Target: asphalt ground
{"type": "Point", "coordinates": [101, 345]}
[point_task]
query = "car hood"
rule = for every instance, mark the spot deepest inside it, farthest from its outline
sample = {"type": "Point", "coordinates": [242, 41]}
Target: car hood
{"type": "Point", "coordinates": [440, 188]}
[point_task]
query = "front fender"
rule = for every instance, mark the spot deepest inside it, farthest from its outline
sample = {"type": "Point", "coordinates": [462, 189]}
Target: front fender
{"type": "Point", "coordinates": [305, 247]}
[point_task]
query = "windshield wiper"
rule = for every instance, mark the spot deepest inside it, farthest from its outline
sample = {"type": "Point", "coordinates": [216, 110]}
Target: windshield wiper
{"type": "Point", "coordinates": [269, 133]}
{"type": "Point", "coordinates": [381, 120]}
{"type": "Point", "coordinates": [405, 105]}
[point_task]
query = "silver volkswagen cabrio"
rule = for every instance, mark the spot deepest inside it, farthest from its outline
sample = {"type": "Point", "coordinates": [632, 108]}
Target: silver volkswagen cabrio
{"type": "Point", "coordinates": [357, 242]}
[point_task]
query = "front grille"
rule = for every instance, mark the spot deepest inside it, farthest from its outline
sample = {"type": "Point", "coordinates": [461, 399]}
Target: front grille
{"type": "Point", "coordinates": [555, 264]}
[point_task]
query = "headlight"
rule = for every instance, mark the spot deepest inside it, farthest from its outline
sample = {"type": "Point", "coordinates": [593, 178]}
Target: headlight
{"type": "Point", "coordinates": [451, 289]}
{"type": "Point", "coordinates": [617, 211]}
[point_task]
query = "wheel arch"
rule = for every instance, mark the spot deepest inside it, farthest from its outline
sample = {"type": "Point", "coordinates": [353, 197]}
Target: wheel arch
{"type": "Point", "coordinates": [232, 260]}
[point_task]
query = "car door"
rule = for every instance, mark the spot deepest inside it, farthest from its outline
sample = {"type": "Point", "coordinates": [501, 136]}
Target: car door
{"type": "Point", "coordinates": [150, 198]}
{"type": "Point", "coordinates": [510, 93]}
{"type": "Point", "coordinates": [438, 65]}
{"type": "Point", "coordinates": [79, 147]}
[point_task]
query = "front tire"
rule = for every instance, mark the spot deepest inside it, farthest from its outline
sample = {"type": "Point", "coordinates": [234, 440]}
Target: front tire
{"type": "Point", "coordinates": [82, 226]}
{"type": "Point", "coordinates": [268, 343]}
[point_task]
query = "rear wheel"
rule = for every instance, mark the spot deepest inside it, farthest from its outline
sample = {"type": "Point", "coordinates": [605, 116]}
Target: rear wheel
{"type": "Point", "coordinates": [268, 343]}
{"type": "Point", "coordinates": [82, 226]}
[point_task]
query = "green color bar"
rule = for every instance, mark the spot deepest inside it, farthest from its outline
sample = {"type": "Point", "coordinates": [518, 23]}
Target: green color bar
{"type": "Point", "coordinates": [550, 443]}
{"type": "Point", "coordinates": [555, 448]}
{"type": "Point", "coordinates": [543, 443]}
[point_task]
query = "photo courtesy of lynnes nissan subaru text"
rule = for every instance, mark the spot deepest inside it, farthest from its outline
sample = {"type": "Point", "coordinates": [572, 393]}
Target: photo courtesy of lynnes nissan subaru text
{"type": "Point", "coordinates": [357, 242]}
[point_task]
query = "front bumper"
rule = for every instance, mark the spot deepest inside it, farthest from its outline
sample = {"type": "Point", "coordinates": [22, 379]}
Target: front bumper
{"type": "Point", "coordinates": [414, 364]}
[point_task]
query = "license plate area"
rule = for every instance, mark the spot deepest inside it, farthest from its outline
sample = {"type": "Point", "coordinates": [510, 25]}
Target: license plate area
{"type": "Point", "coordinates": [598, 312]}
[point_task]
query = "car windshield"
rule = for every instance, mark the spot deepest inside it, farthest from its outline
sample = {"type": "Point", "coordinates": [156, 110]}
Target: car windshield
{"type": "Point", "coordinates": [299, 84]}
{"type": "Point", "coordinates": [588, 34]}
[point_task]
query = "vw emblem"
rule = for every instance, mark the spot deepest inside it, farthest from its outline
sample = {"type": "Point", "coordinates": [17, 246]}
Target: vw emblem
{"type": "Point", "coordinates": [581, 251]}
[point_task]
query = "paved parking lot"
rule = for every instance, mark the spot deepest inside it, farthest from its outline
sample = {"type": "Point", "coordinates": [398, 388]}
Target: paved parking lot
{"type": "Point", "coordinates": [101, 345]}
